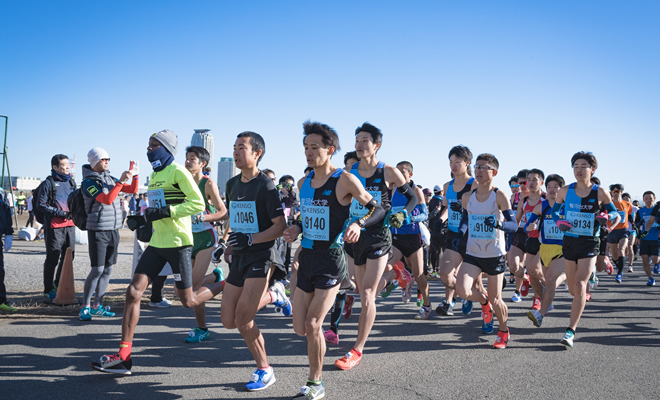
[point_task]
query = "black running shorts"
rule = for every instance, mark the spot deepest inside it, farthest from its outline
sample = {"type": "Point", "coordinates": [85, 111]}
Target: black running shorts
{"type": "Point", "coordinates": [532, 246]}
{"type": "Point", "coordinates": [348, 249]}
{"type": "Point", "coordinates": [321, 269]}
{"type": "Point", "coordinates": [577, 248]}
{"type": "Point", "coordinates": [180, 258]}
{"type": "Point", "coordinates": [616, 235]}
{"type": "Point", "coordinates": [455, 242]}
{"type": "Point", "coordinates": [373, 244]}
{"type": "Point", "coordinates": [249, 264]}
{"type": "Point", "coordinates": [519, 239]}
{"type": "Point", "coordinates": [489, 265]}
{"type": "Point", "coordinates": [649, 248]}
{"type": "Point", "coordinates": [407, 244]}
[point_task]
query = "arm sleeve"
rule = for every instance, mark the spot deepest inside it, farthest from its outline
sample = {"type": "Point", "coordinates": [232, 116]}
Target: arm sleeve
{"type": "Point", "coordinates": [463, 226]}
{"type": "Point", "coordinates": [194, 203]}
{"type": "Point", "coordinates": [376, 213]}
{"type": "Point", "coordinates": [42, 202]}
{"type": "Point", "coordinates": [510, 225]}
{"type": "Point", "coordinates": [407, 191]}
{"type": "Point", "coordinates": [611, 211]}
{"type": "Point", "coordinates": [423, 213]}
{"type": "Point", "coordinates": [531, 220]}
{"type": "Point", "coordinates": [132, 187]}
{"type": "Point", "coordinates": [93, 190]}
{"type": "Point", "coordinates": [555, 212]}
{"type": "Point", "coordinates": [434, 211]}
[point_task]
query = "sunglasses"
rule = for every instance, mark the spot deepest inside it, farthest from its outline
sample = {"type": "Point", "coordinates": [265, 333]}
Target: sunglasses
{"type": "Point", "coordinates": [523, 183]}
{"type": "Point", "coordinates": [514, 186]}
{"type": "Point", "coordinates": [616, 191]}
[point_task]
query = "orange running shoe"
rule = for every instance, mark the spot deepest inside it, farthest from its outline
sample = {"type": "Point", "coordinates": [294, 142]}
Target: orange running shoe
{"type": "Point", "coordinates": [588, 296]}
{"type": "Point", "coordinates": [350, 360]}
{"type": "Point", "coordinates": [536, 305]}
{"type": "Point", "coordinates": [487, 312]}
{"type": "Point", "coordinates": [502, 340]}
{"type": "Point", "coordinates": [406, 278]}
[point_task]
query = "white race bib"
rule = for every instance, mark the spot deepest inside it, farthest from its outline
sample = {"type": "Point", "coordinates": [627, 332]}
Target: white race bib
{"type": "Point", "coordinates": [583, 223]}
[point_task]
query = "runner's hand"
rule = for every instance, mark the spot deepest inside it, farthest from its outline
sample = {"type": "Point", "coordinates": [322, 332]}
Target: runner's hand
{"type": "Point", "coordinates": [238, 239]}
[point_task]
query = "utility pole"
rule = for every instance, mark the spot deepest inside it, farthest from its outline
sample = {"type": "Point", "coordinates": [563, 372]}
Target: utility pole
{"type": "Point", "coordinates": [5, 161]}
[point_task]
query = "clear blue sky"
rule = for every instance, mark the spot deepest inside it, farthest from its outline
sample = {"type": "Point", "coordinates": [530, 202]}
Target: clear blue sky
{"type": "Point", "coordinates": [531, 82]}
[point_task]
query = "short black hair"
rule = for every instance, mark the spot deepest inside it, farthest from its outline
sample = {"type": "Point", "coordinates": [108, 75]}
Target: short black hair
{"type": "Point", "coordinates": [555, 178]}
{"type": "Point", "coordinates": [201, 153]}
{"type": "Point", "coordinates": [523, 174]}
{"type": "Point", "coordinates": [407, 165]}
{"type": "Point", "coordinates": [626, 195]}
{"type": "Point", "coordinates": [268, 171]}
{"type": "Point", "coordinates": [513, 179]}
{"type": "Point", "coordinates": [329, 136]}
{"type": "Point", "coordinates": [349, 155]}
{"type": "Point", "coordinates": [586, 156]}
{"type": "Point", "coordinates": [648, 192]}
{"type": "Point", "coordinates": [616, 186]}
{"type": "Point", "coordinates": [376, 134]}
{"type": "Point", "coordinates": [55, 161]}
{"type": "Point", "coordinates": [285, 178]}
{"type": "Point", "coordinates": [256, 141]}
{"type": "Point", "coordinates": [595, 180]}
{"type": "Point", "coordinates": [537, 172]}
{"type": "Point", "coordinates": [307, 169]}
{"type": "Point", "coordinates": [490, 159]}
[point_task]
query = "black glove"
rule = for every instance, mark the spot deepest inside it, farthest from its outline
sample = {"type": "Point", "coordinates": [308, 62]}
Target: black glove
{"type": "Point", "coordinates": [216, 256]}
{"type": "Point", "coordinates": [135, 221]}
{"type": "Point", "coordinates": [492, 222]}
{"type": "Point", "coordinates": [456, 206]}
{"type": "Point", "coordinates": [238, 239]}
{"type": "Point", "coordinates": [154, 214]}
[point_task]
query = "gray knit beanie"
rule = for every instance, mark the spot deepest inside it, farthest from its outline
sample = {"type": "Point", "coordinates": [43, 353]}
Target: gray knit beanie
{"type": "Point", "coordinates": [168, 139]}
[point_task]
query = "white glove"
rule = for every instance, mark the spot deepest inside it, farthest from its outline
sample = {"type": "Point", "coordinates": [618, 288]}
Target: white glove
{"type": "Point", "coordinates": [136, 169]}
{"type": "Point", "coordinates": [9, 240]}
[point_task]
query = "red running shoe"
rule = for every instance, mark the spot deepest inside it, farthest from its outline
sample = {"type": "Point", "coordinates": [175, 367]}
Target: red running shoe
{"type": "Point", "coordinates": [537, 303]}
{"type": "Point", "coordinates": [524, 290]}
{"type": "Point", "coordinates": [487, 312]}
{"type": "Point", "coordinates": [502, 340]}
{"type": "Point", "coordinates": [588, 296]}
{"type": "Point", "coordinates": [348, 306]}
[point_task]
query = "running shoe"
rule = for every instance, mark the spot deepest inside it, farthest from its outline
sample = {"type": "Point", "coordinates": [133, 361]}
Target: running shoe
{"type": "Point", "coordinates": [502, 340]}
{"type": "Point", "coordinates": [445, 309]}
{"type": "Point", "coordinates": [348, 306]}
{"type": "Point", "coordinates": [524, 290]}
{"type": "Point", "coordinates": [618, 278]}
{"type": "Point", "coordinates": [432, 276]}
{"type": "Point", "coordinates": [85, 314]}
{"type": "Point", "coordinates": [163, 304]}
{"type": "Point", "coordinates": [311, 392]}
{"type": "Point", "coordinates": [552, 307]}
{"type": "Point", "coordinates": [219, 273]}
{"type": "Point", "coordinates": [113, 364]}
{"type": "Point", "coordinates": [260, 380]}
{"type": "Point", "coordinates": [487, 311]}
{"type": "Point", "coordinates": [331, 337]}
{"type": "Point", "coordinates": [656, 269]}
{"type": "Point", "coordinates": [535, 317]}
{"type": "Point", "coordinates": [350, 360]}
{"type": "Point", "coordinates": [51, 295]}
{"type": "Point", "coordinates": [466, 308]}
{"type": "Point", "coordinates": [588, 296]}
{"type": "Point", "coordinates": [512, 279]}
{"type": "Point", "coordinates": [282, 304]}
{"type": "Point", "coordinates": [516, 298]}
{"type": "Point", "coordinates": [420, 301]}
{"type": "Point", "coordinates": [423, 312]}
{"type": "Point", "coordinates": [630, 269]}
{"type": "Point", "coordinates": [101, 311]}
{"type": "Point", "coordinates": [596, 281]}
{"type": "Point", "coordinates": [536, 304]}
{"type": "Point", "coordinates": [487, 328]}
{"type": "Point", "coordinates": [405, 293]}
{"type": "Point", "coordinates": [197, 335]}
{"type": "Point", "coordinates": [651, 282]}
{"type": "Point", "coordinates": [608, 266]}
{"type": "Point", "coordinates": [387, 290]}
{"type": "Point", "coordinates": [7, 307]}
{"type": "Point", "coordinates": [592, 281]}
{"type": "Point", "coordinates": [568, 339]}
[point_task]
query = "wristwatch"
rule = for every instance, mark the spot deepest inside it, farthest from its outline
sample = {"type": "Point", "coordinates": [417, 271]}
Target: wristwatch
{"type": "Point", "coordinates": [201, 218]}
{"type": "Point", "coordinates": [361, 222]}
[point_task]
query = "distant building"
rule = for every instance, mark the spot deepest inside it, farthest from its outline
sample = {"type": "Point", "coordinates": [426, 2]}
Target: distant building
{"type": "Point", "coordinates": [226, 171]}
{"type": "Point", "coordinates": [21, 183]}
{"type": "Point", "coordinates": [203, 138]}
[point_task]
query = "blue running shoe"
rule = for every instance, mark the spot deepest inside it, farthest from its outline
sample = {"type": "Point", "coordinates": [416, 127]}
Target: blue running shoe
{"type": "Point", "coordinates": [51, 295]}
{"type": "Point", "coordinates": [102, 311]}
{"type": "Point", "coordinates": [219, 273]}
{"type": "Point", "coordinates": [467, 307]}
{"type": "Point", "coordinates": [85, 314]}
{"type": "Point", "coordinates": [552, 307]}
{"type": "Point", "coordinates": [260, 380]}
{"type": "Point", "coordinates": [197, 335]}
{"type": "Point", "coordinates": [618, 278]}
{"type": "Point", "coordinates": [656, 269]}
{"type": "Point", "coordinates": [282, 304]}
{"type": "Point", "coordinates": [487, 328]}
{"type": "Point", "coordinates": [651, 282]}
{"type": "Point", "coordinates": [516, 298]}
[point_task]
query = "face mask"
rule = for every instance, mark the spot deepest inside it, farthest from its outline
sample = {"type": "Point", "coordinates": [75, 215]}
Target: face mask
{"type": "Point", "coordinates": [160, 158]}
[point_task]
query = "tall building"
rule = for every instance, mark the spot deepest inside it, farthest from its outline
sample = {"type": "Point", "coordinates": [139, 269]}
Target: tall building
{"type": "Point", "coordinates": [203, 138]}
{"type": "Point", "coordinates": [226, 171]}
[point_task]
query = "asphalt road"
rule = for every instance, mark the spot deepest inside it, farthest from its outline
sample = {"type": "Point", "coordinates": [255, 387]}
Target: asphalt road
{"type": "Point", "coordinates": [45, 352]}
